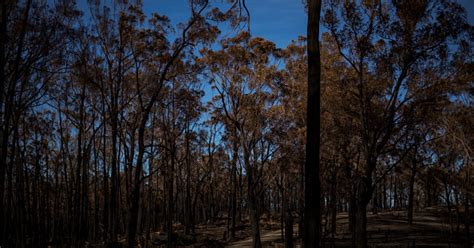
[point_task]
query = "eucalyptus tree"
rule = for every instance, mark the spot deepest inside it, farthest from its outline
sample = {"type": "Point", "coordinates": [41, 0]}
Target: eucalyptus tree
{"type": "Point", "coordinates": [387, 45]}
{"type": "Point", "coordinates": [242, 74]}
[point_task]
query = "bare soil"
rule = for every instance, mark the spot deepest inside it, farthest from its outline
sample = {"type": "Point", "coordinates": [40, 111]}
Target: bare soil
{"type": "Point", "coordinates": [431, 228]}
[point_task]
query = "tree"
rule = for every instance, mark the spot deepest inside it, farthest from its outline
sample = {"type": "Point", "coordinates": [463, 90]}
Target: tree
{"type": "Point", "coordinates": [242, 75]}
{"type": "Point", "coordinates": [387, 45]}
{"type": "Point", "coordinates": [312, 213]}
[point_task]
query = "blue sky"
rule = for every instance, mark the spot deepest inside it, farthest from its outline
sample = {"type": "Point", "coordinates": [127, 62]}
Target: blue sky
{"type": "Point", "coordinates": [277, 20]}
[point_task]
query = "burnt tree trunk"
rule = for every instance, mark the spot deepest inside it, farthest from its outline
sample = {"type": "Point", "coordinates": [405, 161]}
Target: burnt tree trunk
{"type": "Point", "coordinates": [252, 201]}
{"type": "Point", "coordinates": [411, 190]}
{"type": "Point", "coordinates": [234, 189]}
{"type": "Point", "coordinates": [333, 203]}
{"type": "Point", "coordinates": [312, 213]}
{"type": "Point", "coordinates": [288, 228]}
{"type": "Point", "coordinates": [364, 194]}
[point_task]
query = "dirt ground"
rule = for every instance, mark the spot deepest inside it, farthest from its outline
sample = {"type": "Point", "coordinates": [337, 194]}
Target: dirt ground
{"type": "Point", "coordinates": [430, 228]}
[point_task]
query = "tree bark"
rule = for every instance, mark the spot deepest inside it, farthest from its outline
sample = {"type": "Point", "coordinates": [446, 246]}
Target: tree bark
{"type": "Point", "coordinates": [411, 190]}
{"type": "Point", "coordinates": [114, 205]}
{"type": "Point", "coordinates": [3, 151]}
{"type": "Point", "coordinates": [288, 228]}
{"type": "Point", "coordinates": [187, 200]}
{"type": "Point", "coordinates": [301, 197]}
{"type": "Point", "coordinates": [312, 213]}
{"type": "Point", "coordinates": [467, 220]}
{"type": "Point", "coordinates": [361, 225]}
{"type": "Point", "coordinates": [352, 214]}
{"type": "Point", "coordinates": [333, 203]}
{"type": "Point", "coordinates": [170, 203]}
{"type": "Point", "coordinates": [234, 188]}
{"type": "Point", "coordinates": [135, 198]}
{"type": "Point", "coordinates": [364, 194]}
{"type": "Point", "coordinates": [467, 213]}
{"type": "Point", "coordinates": [252, 201]}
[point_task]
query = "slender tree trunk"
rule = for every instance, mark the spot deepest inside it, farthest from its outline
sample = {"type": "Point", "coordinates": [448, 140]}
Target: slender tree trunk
{"type": "Point", "coordinates": [467, 213]}
{"type": "Point", "coordinates": [375, 200]}
{"type": "Point", "coordinates": [187, 201]}
{"type": "Point", "coordinates": [19, 193]}
{"type": "Point", "coordinates": [395, 193]}
{"type": "Point", "coordinates": [467, 220]}
{"type": "Point", "coordinates": [252, 201]}
{"type": "Point", "coordinates": [96, 193]}
{"type": "Point", "coordinates": [282, 208]}
{"type": "Point", "coordinates": [3, 148]}
{"type": "Point", "coordinates": [35, 224]}
{"type": "Point", "coordinates": [288, 228]}
{"type": "Point", "coordinates": [312, 214]}
{"type": "Point", "coordinates": [85, 197]}
{"type": "Point", "coordinates": [448, 200]}
{"type": "Point", "coordinates": [457, 204]}
{"type": "Point", "coordinates": [333, 199]}
{"type": "Point", "coordinates": [234, 188]}
{"type": "Point", "coordinates": [411, 190]}
{"type": "Point", "coordinates": [384, 193]}
{"type": "Point", "coordinates": [114, 205]}
{"type": "Point", "coordinates": [301, 197]}
{"type": "Point", "coordinates": [352, 206]}
{"type": "Point", "coordinates": [79, 156]}
{"type": "Point", "coordinates": [135, 198]}
{"type": "Point", "coordinates": [428, 191]}
{"type": "Point", "coordinates": [170, 203]}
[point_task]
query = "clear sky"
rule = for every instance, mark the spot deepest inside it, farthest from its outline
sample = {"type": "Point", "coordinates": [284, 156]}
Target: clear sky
{"type": "Point", "coordinates": [277, 20]}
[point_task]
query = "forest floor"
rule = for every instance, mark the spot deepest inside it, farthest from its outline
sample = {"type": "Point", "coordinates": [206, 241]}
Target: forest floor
{"type": "Point", "coordinates": [430, 228]}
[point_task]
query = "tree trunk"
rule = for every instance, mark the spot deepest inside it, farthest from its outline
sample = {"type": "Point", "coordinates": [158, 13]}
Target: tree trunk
{"type": "Point", "coordinates": [135, 204]}
{"type": "Point", "coordinates": [447, 192]}
{"type": "Point", "coordinates": [395, 194]}
{"type": "Point", "coordinates": [352, 214]}
{"type": "Point", "coordinates": [114, 205]}
{"type": "Point", "coordinates": [79, 156]}
{"type": "Point", "coordinates": [375, 202]}
{"type": "Point", "coordinates": [288, 228]}
{"type": "Point", "coordinates": [333, 199]}
{"type": "Point", "coordinates": [312, 213]}
{"type": "Point", "coordinates": [384, 193]}
{"type": "Point", "coordinates": [361, 225]}
{"type": "Point", "coordinates": [3, 145]}
{"type": "Point", "coordinates": [467, 213]}
{"type": "Point", "coordinates": [170, 210]}
{"type": "Point", "coordinates": [411, 191]}
{"type": "Point", "coordinates": [252, 201]}
{"type": "Point", "coordinates": [467, 220]}
{"type": "Point", "coordinates": [301, 196]}
{"type": "Point", "coordinates": [364, 194]}
{"type": "Point", "coordinates": [187, 201]}
{"type": "Point", "coordinates": [234, 188]}
{"type": "Point", "coordinates": [19, 193]}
